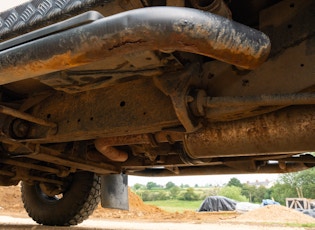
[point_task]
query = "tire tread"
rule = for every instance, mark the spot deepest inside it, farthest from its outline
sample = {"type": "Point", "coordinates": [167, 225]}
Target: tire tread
{"type": "Point", "coordinates": [77, 210]}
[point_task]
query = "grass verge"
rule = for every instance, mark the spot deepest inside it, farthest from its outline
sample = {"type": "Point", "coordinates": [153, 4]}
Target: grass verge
{"type": "Point", "coordinates": [176, 205]}
{"type": "Point", "coordinates": [306, 225]}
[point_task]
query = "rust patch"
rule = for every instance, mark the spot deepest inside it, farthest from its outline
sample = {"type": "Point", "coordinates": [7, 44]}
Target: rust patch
{"type": "Point", "coordinates": [199, 33]}
{"type": "Point", "coordinates": [127, 42]}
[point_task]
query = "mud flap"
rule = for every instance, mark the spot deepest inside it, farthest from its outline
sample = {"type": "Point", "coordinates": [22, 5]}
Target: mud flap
{"type": "Point", "coordinates": [114, 191]}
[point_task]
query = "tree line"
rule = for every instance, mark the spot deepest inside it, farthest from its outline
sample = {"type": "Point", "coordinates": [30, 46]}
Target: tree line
{"type": "Point", "coordinates": [290, 185]}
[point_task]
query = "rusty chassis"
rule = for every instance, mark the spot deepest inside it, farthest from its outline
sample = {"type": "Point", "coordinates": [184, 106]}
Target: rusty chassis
{"type": "Point", "coordinates": [165, 29]}
{"type": "Point", "coordinates": [92, 91]}
{"type": "Point", "coordinates": [158, 120]}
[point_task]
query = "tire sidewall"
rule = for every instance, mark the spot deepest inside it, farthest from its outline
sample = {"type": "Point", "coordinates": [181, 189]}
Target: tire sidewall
{"type": "Point", "coordinates": [46, 211]}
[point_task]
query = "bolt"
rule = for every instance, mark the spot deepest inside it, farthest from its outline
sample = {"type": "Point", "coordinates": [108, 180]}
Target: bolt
{"type": "Point", "coordinates": [20, 128]}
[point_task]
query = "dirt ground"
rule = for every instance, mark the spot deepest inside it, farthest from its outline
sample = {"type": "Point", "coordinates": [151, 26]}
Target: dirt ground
{"type": "Point", "coordinates": [11, 205]}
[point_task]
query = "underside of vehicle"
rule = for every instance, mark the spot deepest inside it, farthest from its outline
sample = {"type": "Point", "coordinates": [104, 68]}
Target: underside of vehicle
{"type": "Point", "coordinates": [95, 90]}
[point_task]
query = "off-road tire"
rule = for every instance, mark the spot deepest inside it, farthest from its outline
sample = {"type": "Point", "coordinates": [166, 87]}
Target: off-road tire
{"type": "Point", "coordinates": [76, 205]}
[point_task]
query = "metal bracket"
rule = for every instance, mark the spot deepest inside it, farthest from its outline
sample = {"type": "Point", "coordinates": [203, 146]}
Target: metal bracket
{"type": "Point", "coordinates": [25, 116]}
{"type": "Point", "coordinates": [178, 88]}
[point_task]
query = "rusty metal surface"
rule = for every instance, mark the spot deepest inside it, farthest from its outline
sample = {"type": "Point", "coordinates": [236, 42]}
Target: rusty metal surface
{"type": "Point", "coordinates": [295, 24]}
{"type": "Point", "coordinates": [97, 168]}
{"type": "Point", "coordinates": [144, 138]}
{"type": "Point", "coordinates": [291, 67]}
{"type": "Point", "coordinates": [25, 116]}
{"type": "Point", "coordinates": [216, 170]}
{"type": "Point", "coordinates": [290, 72]}
{"type": "Point", "coordinates": [178, 90]}
{"type": "Point", "coordinates": [52, 156]}
{"type": "Point", "coordinates": [287, 131]}
{"type": "Point", "coordinates": [243, 164]}
{"type": "Point", "coordinates": [156, 28]}
{"type": "Point", "coordinates": [110, 152]}
{"type": "Point", "coordinates": [261, 100]}
{"type": "Point", "coordinates": [25, 164]}
{"type": "Point", "coordinates": [113, 111]}
{"type": "Point", "coordinates": [110, 71]}
{"type": "Point", "coordinates": [128, 140]}
{"type": "Point", "coordinates": [234, 106]}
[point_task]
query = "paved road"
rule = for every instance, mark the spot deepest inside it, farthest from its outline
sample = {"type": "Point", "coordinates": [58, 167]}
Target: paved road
{"type": "Point", "coordinates": [7, 222]}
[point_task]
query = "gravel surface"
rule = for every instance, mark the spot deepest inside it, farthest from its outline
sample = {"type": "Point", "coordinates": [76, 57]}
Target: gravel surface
{"type": "Point", "coordinates": [7, 222]}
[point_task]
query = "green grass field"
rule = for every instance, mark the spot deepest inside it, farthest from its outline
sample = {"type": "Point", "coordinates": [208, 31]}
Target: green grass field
{"type": "Point", "coordinates": [176, 205]}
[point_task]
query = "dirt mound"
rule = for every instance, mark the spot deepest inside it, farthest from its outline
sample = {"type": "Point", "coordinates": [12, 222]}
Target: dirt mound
{"type": "Point", "coordinates": [10, 200]}
{"type": "Point", "coordinates": [136, 204]}
{"type": "Point", "coordinates": [275, 214]}
{"type": "Point", "coordinates": [136, 209]}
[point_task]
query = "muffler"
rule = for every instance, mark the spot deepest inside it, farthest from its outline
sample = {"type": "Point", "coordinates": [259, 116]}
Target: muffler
{"type": "Point", "coordinates": [286, 131]}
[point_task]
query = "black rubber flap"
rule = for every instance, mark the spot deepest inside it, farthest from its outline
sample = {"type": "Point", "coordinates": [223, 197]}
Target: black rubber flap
{"type": "Point", "coordinates": [114, 191]}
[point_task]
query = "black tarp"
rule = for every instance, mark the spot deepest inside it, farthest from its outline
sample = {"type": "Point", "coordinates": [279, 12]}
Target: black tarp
{"type": "Point", "coordinates": [310, 212]}
{"type": "Point", "coordinates": [217, 203]}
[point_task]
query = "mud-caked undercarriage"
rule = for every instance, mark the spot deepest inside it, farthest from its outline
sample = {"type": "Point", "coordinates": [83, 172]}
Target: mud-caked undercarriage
{"type": "Point", "coordinates": [95, 90]}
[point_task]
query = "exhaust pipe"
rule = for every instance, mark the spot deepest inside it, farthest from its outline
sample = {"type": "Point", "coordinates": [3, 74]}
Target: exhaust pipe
{"type": "Point", "coordinates": [110, 152]}
{"type": "Point", "coordinates": [157, 28]}
{"type": "Point", "coordinates": [289, 130]}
